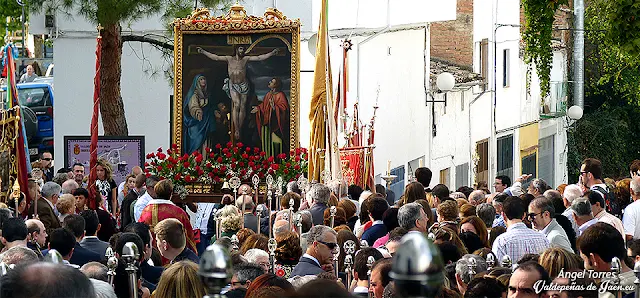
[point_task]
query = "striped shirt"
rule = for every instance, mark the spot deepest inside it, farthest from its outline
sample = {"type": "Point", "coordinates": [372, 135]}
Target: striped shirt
{"type": "Point", "coordinates": [518, 241]}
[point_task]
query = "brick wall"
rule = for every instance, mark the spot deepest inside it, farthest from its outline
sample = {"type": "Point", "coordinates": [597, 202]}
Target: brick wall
{"type": "Point", "coordinates": [453, 40]}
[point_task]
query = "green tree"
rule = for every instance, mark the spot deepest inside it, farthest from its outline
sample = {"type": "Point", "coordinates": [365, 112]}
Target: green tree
{"type": "Point", "coordinates": [10, 9]}
{"type": "Point", "coordinates": [111, 15]}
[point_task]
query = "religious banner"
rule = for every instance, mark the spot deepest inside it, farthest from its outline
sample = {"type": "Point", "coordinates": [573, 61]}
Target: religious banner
{"type": "Point", "coordinates": [352, 161]}
{"type": "Point", "coordinates": [236, 80]}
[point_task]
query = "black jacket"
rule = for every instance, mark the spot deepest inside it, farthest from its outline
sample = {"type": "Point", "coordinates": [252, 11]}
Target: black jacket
{"type": "Point", "coordinates": [306, 266]}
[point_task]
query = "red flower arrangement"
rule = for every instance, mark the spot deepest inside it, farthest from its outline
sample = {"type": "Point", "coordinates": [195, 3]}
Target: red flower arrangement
{"type": "Point", "coordinates": [220, 164]}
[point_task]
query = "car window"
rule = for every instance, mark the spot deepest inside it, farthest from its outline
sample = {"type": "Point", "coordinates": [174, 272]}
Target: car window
{"type": "Point", "coordinates": [33, 97]}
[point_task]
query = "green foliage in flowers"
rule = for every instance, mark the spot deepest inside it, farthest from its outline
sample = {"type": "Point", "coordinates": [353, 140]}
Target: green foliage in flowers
{"type": "Point", "coordinates": [221, 163]}
{"type": "Point", "coordinates": [536, 34]}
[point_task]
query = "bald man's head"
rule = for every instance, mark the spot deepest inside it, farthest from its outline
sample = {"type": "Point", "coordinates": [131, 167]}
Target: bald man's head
{"type": "Point", "coordinates": [46, 280]}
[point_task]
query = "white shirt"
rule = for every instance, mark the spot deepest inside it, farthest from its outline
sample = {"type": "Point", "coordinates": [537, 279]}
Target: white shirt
{"type": "Point", "coordinates": [160, 201]}
{"type": "Point", "coordinates": [360, 289]}
{"type": "Point", "coordinates": [202, 216]}
{"type": "Point", "coordinates": [609, 218]}
{"type": "Point", "coordinates": [142, 202]}
{"type": "Point", "coordinates": [377, 222]}
{"type": "Point", "coordinates": [630, 219]}
{"type": "Point", "coordinates": [311, 257]}
{"type": "Point", "coordinates": [585, 225]}
{"type": "Point", "coordinates": [120, 194]}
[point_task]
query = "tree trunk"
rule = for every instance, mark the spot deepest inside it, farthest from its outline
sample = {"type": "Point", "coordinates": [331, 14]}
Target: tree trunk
{"type": "Point", "coordinates": [111, 104]}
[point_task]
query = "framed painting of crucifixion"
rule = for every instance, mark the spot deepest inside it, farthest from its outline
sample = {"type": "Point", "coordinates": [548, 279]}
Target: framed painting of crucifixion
{"type": "Point", "coordinates": [236, 80]}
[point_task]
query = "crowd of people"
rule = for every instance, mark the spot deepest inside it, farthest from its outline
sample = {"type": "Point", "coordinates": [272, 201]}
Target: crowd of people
{"type": "Point", "coordinates": [520, 239]}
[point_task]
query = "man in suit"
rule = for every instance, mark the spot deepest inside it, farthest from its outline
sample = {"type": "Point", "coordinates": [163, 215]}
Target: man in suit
{"type": "Point", "coordinates": [322, 244]}
{"type": "Point", "coordinates": [130, 199]}
{"type": "Point", "coordinates": [63, 241]}
{"type": "Point", "coordinates": [90, 240]}
{"type": "Point", "coordinates": [377, 207]}
{"type": "Point", "coordinates": [38, 236]}
{"type": "Point", "coordinates": [45, 206]}
{"type": "Point", "coordinates": [250, 220]}
{"type": "Point", "coordinates": [75, 224]}
{"type": "Point", "coordinates": [541, 214]}
{"type": "Point", "coordinates": [318, 197]}
{"type": "Point", "coordinates": [149, 273]}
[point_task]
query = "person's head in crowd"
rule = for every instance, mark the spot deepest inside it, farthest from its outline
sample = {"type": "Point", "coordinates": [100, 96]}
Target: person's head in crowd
{"type": "Point", "coordinates": [528, 257]}
{"type": "Point", "coordinates": [286, 199]}
{"type": "Point", "coordinates": [288, 249]}
{"type": "Point", "coordinates": [412, 217]}
{"type": "Point", "coordinates": [150, 184]}
{"type": "Point", "coordinates": [95, 270]}
{"type": "Point", "coordinates": [180, 280]}
{"type": "Point", "coordinates": [475, 225]}
{"type": "Point", "coordinates": [103, 289]}
{"type": "Point", "coordinates": [447, 211]}
{"type": "Point", "coordinates": [231, 219]}
{"type": "Point", "coordinates": [37, 232]}
{"type": "Point", "coordinates": [471, 241]}
{"type": "Point", "coordinates": [140, 229]}
{"type": "Point", "coordinates": [537, 187]}
{"type": "Point", "coordinates": [556, 200]}
{"type": "Point", "coordinates": [354, 192]}
{"type": "Point", "coordinates": [320, 288]}
{"type": "Point", "coordinates": [270, 280]}
{"type": "Point", "coordinates": [307, 221]}
{"type": "Point", "coordinates": [349, 208]}
{"type": "Point", "coordinates": [634, 188]}
{"type": "Point", "coordinates": [76, 224]}
{"type": "Point", "coordinates": [66, 204]}
{"type": "Point", "coordinates": [463, 275]}
{"type": "Point", "coordinates": [595, 255]}
{"type": "Point", "coordinates": [521, 283]}
{"type": "Point", "coordinates": [486, 213]}
{"type": "Point", "coordinates": [243, 234]}
{"type": "Point", "coordinates": [18, 255]}
{"type": "Point", "coordinates": [441, 192]}
{"type": "Point", "coordinates": [466, 190]}
{"type": "Point", "coordinates": [571, 192]}
{"type": "Point", "coordinates": [633, 250]}
{"type": "Point", "coordinates": [244, 274]}
{"type": "Point", "coordinates": [63, 241]}
{"type": "Point", "coordinates": [395, 236]}
{"type": "Point", "coordinates": [390, 218]}
{"type": "Point", "coordinates": [501, 183]}
{"type": "Point", "coordinates": [360, 263]}
{"type": "Point", "coordinates": [477, 197]}
{"type": "Point", "coordinates": [413, 192]}
{"type": "Point", "coordinates": [423, 176]}
{"type": "Point", "coordinates": [46, 280]}
{"type": "Point", "coordinates": [596, 200]}
{"type": "Point", "coordinates": [339, 188]}
{"type": "Point", "coordinates": [51, 191]}
{"type": "Point", "coordinates": [581, 211]}
{"type": "Point", "coordinates": [91, 222]}
{"type": "Point", "coordinates": [561, 188]}
{"type": "Point", "coordinates": [170, 238]}
{"type": "Point", "coordinates": [591, 172]}
{"type": "Point", "coordinates": [258, 257]}
{"type": "Point", "coordinates": [342, 237]}
{"type": "Point", "coordinates": [78, 172]}
{"type": "Point", "coordinates": [364, 210]}
{"type": "Point", "coordinates": [467, 210]}
{"type": "Point", "coordinates": [377, 207]}
{"type": "Point", "coordinates": [622, 191]}
{"type": "Point", "coordinates": [124, 239]}
{"type": "Point", "coordinates": [60, 178]}
{"type": "Point", "coordinates": [495, 232]}
{"type": "Point", "coordinates": [21, 206]}
{"type": "Point", "coordinates": [459, 198]}
{"type": "Point", "coordinates": [580, 287]}
{"type": "Point", "coordinates": [318, 194]}
{"type": "Point", "coordinates": [555, 259]}
{"type": "Point", "coordinates": [69, 186]}
{"type": "Point", "coordinates": [14, 232]}
{"type": "Point", "coordinates": [427, 210]}
{"type": "Point", "coordinates": [248, 203]}
{"type": "Point", "coordinates": [541, 213]}
{"type": "Point", "coordinates": [280, 226]}
{"type": "Point", "coordinates": [258, 241]}
{"type": "Point", "coordinates": [164, 189]}
{"type": "Point", "coordinates": [450, 252]}
{"type": "Point", "coordinates": [513, 210]}
{"type": "Point", "coordinates": [484, 287]}
{"type": "Point", "coordinates": [339, 219]}
{"type": "Point", "coordinates": [81, 195]}
{"type": "Point", "coordinates": [322, 243]}
{"type": "Point", "coordinates": [293, 187]}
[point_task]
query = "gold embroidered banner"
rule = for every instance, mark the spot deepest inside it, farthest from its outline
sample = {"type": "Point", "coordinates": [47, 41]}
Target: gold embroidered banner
{"type": "Point", "coordinates": [352, 162]}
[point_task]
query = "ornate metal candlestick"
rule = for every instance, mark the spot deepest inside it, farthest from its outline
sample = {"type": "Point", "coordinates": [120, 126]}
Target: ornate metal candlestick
{"type": "Point", "coordinates": [636, 271]}
{"type": "Point", "coordinates": [333, 211]}
{"type": "Point", "coordinates": [616, 268]}
{"type": "Point", "coordinates": [279, 185]}
{"type": "Point", "coordinates": [370, 261]}
{"type": "Point", "coordinates": [506, 261]}
{"type": "Point", "coordinates": [215, 270]}
{"type": "Point", "coordinates": [472, 267]}
{"type": "Point", "coordinates": [349, 247]}
{"type": "Point", "coordinates": [269, 193]}
{"type": "Point", "coordinates": [272, 245]}
{"type": "Point", "coordinates": [291, 203]}
{"type": "Point", "coordinates": [256, 182]}
{"type": "Point", "coordinates": [335, 263]}
{"type": "Point", "coordinates": [53, 256]}
{"type": "Point", "coordinates": [417, 268]}
{"type": "Point", "coordinates": [130, 258]}
{"type": "Point", "coordinates": [298, 220]}
{"type": "Point", "coordinates": [112, 264]}
{"type": "Point", "coordinates": [363, 244]}
{"type": "Point", "coordinates": [235, 182]}
{"type": "Point", "coordinates": [234, 243]}
{"type": "Point", "coordinates": [259, 211]}
{"type": "Point", "coordinates": [491, 261]}
{"type": "Point", "coordinates": [302, 185]}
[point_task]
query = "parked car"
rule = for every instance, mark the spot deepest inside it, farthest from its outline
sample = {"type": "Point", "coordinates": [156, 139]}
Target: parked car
{"type": "Point", "coordinates": [36, 100]}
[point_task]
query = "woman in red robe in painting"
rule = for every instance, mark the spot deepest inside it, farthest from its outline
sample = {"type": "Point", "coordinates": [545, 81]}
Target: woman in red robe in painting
{"type": "Point", "coordinates": [162, 208]}
{"type": "Point", "coordinates": [271, 117]}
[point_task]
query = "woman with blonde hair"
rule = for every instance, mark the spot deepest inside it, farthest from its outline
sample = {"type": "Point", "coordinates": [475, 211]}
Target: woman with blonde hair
{"type": "Point", "coordinates": [180, 280]}
{"type": "Point", "coordinates": [106, 186]}
{"type": "Point", "coordinates": [66, 205]}
{"type": "Point", "coordinates": [231, 221]}
{"type": "Point", "coordinates": [555, 259]}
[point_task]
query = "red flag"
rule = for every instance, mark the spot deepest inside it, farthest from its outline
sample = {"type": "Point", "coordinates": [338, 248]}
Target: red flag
{"type": "Point", "coordinates": [93, 191]}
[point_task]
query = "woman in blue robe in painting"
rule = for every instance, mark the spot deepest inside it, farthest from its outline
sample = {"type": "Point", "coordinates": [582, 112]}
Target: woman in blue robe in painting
{"type": "Point", "coordinates": [199, 122]}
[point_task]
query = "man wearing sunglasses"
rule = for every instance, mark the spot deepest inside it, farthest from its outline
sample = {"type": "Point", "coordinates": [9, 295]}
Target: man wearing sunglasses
{"type": "Point", "coordinates": [541, 214]}
{"type": "Point", "coordinates": [322, 244]}
{"type": "Point", "coordinates": [46, 161]}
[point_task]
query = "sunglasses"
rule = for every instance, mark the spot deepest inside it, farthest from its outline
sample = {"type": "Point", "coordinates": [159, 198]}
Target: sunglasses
{"type": "Point", "coordinates": [533, 215]}
{"type": "Point", "coordinates": [47, 159]}
{"type": "Point", "coordinates": [330, 245]}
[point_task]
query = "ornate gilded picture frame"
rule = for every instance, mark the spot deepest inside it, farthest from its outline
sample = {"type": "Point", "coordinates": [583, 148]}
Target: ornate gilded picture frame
{"type": "Point", "coordinates": [236, 80]}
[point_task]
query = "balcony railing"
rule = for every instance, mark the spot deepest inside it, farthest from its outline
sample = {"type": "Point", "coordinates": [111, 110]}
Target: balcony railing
{"type": "Point", "coordinates": [555, 105]}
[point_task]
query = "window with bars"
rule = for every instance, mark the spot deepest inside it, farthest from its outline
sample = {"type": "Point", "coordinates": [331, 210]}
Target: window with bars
{"type": "Point", "coordinates": [444, 177]}
{"type": "Point", "coordinates": [462, 175]}
{"type": "Point", "coordinates": [482, 169]}
{"type": "Point", "coordinates": [505, 156]}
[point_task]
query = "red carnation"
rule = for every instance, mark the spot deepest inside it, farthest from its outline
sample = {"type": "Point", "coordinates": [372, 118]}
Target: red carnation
{"type": "Point", "coordinates": [235, 150]}
{"type": "Point", "coordinates": [261, 175]}
{"type": "Point", "coordinates": [186, 164]}
{"type": "Point", "coordinates": [247, 149]}
{"type": "Point", "coordinates": [262, 153]}
{"type": "Point", "coordinates": [200, 172]}
{"type": "Point", "coordinates": [146, 164]}
{"type": "Point", "coordinates": [229, 145]}
{"type": "Point", "coordinates": [199, 158]}
{"type": "Point", "coordinates": [174, 146]}
{"type": "Point", "coordinates": [146, 170]}
{"type": "Point", "coordinates": [216, 179]}
{"type": "Point", "coordinates": [233, 159]}
{"type": "Point", "coordinates": [223, 168]}
{"type": "Point", "coordinates": [169, 151]}
{"type": "Point", "coordinates": [207, 149]}
{"type": "Point", "coordinates": [211, 174]}
{"type": "Point", "coordinates": [187, 178]}
{"type": "Point", "coordinates": [212, 155]}
{"type": "Point", "coordinates": [288, 165]}
{"type": "Point", "coordinates": [185, 157]}
{"type": "Point", "coordinates": [240, 145]}
{"type": "Point", "coordinates": [209, 165]}
{"type": "Point", "coordinates": [225, 150]}
{"type": "Point", "coordinates": [275, 167]}
{"type": "Point", "coordinates": [243, 172]}
{"type": "Point", "coordinates": [292, 153]}
{"type": "Point", "coordinates": [178, 177]}
{"type": "Point", "coordinates": [170, 166]}
{"type": "Point", "coordinates": [148, 175]}
{"type": "Point", "coordinates": [228, 155]}
{"type": "Point", "coordinates": [219, 160]}
{"type": "Point", "coordinates": [296, 167]}
{"type": "Point", "coordinates": [154, 163]}
{"type": "Point", "coordinates": [241, 164]}
{"type": "Point", "coordinates": [160, 168]}
{"type": "Point", "coordinates": [298, 151]}
{"type": "Point", "coordinates": [251, 164]}
{"type": "Point", "coordinates": [297, 159]}
{"type": "Point", "coordinates": [282, 156]}
{"type": "Point", "coordinates": [160, 149]}
{"type": "Point", "coordinates": [162, 156]}
{"type": "Point", "coordinates": [286, 172]}
{"type": "Point", "coordinates": [256, 150]}
{"type": "Point", "coordinates": [233, 166]}
{"type": "Point", "coordinates": [218, 146]}
{"type": "Point", "coordinates": [245, 156]}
